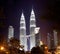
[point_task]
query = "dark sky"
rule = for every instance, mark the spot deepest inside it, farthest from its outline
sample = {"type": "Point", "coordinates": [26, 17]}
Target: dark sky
{"type": "Point", "coordinates": [47, 14]}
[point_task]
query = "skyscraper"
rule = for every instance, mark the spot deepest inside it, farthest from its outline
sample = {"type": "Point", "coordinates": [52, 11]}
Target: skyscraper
{"type": "Point", "coordinates": [10, 32]}
{"type": "Point", "coordinates": [23, 39]}
{"type": "Point", "coordinates": [55, 38]}
{"type": "Point", "coordinates": [28, 41]}
{"type": "Point", "coordinates": [37, 36]}
{"type": "Point", "coordinates": [48, 40]}
{"type": "Point", "coordinates": [32, 29]}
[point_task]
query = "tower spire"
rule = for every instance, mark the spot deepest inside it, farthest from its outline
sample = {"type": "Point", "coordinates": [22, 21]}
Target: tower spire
{"type": "Point", "coordinates": [32, 19]}
{"type": "Point", "coordinates": [32, 12]}
{"type": "Point", "coordinates": [32, 29]}
{"type": "Point", "coordinates": [22, 16]}
{"type": "Point", "coordinates": [23, 39]}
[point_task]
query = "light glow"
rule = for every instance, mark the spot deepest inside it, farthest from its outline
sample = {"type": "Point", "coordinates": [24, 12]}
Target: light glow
{"type": "Point", "coordinates": [32, 19]}
{"type": "Point", "coordinates": [22, 28]}
{"type": "Point", "coordinates": [37, 30]}
{"type": "Point", "coordinates": [22, 22]}
{"type": "Point", "coordinates": [22, 17]}
{"type": "Point", "coordinates": [58, 50]}
{"type": "Point", "coordinates": [32, 25]}
{"type": "Point", "coordinates": [10, 32]}
{"type": "Point", "coordinates": [41, 43]}
{"type": "Point", "coordinates": [32, 12]}
{"type": "Point", "coordinates": [2, 48]}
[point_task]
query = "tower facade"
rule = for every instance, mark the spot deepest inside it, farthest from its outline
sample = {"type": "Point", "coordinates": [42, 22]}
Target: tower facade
{"type": "Point", "coordinates": [37, 36]}
{"type": "Point", "coordinates": [32, 29]}
{"type": "Point", "coordinates": [55, 38]}
{"type": "Point", "coordinates": [23, 40]}
{"type": "Point", "coordinates": [48, 40]}
{"type": "Point", "coordinates": [10, 32]}
{"type": "Point", "coordinates": [28, 41]}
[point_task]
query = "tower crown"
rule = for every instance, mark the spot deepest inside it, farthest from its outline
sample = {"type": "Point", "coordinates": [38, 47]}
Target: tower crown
{"type": "Point", "coordinates": [10, 27]}
{"type": "Point", "coordinates": [22, 19]}
{"type": "Point", "coordinates": [22, 16]}
{"type": "Point", "coordinates": [32, 19]}
{"type": "Point", "coordinates": [32, 12]}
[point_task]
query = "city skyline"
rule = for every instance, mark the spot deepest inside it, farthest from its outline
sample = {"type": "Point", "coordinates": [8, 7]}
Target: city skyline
{"type": "Point", "coordinates": [23, 37]}
{"type": "Point", "coordinates": [47, 15]}
{"type": "Point", "coordinates": [32, 37]}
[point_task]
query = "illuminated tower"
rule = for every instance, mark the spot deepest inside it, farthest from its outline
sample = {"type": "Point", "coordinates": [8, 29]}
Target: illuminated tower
{"type": "Point", "coordinates": [10, 32]}
{"type": "Point", "coordinates": [38, 36]}
{"type": "Point", "coordinates": [48, 40]}
{"type": "Point", "coordinates": [55, 38]}
{"type": "Point", "coordinates": [23, 40]}
{"type": "Point", "coordinates": [32, 29]}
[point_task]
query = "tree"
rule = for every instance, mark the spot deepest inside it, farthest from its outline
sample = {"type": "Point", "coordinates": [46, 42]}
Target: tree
{"type": "Point", "coordinates": [15, 43]}
{"type": "Point", "coordinates": [15, 46]}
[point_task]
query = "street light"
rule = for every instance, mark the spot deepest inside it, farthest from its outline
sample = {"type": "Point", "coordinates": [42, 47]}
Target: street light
{"type": "Point", "coordinates": [46, 48]}
{"type": "Point", "coordinates": [2, 48]}
{"type": "Point", "coordinates": [7, 52]}
{"type": "Point", "coordinates": [58, 50]}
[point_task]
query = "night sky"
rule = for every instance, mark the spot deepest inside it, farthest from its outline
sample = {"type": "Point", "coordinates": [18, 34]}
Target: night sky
{"type": "Point", "coordinates": [47, 14]}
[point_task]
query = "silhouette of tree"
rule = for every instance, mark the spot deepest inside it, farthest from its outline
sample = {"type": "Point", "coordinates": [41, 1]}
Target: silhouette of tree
{"type": "Point", "coordinates": [14, 46]}
{"type": "Point", "coordinates": [15, 43]}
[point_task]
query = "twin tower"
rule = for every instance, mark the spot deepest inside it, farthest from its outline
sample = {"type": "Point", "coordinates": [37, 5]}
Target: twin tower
{"type": "Point", "coordinates": [24, 38]}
